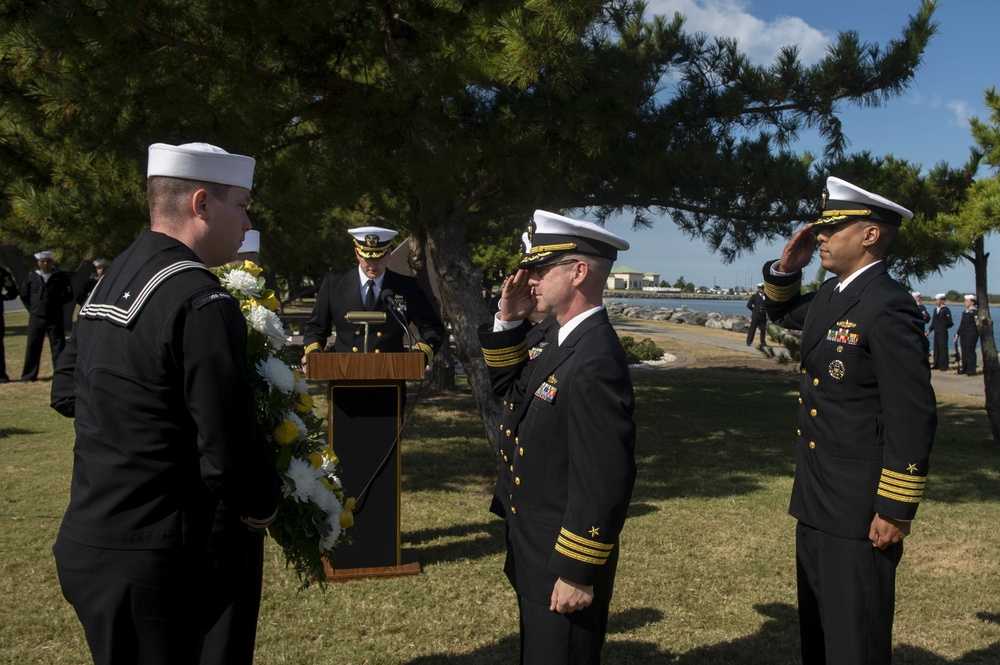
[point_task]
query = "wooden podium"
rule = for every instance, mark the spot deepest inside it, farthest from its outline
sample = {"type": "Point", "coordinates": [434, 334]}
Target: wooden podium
{"type": "Point", "coordinates": [365, 413]}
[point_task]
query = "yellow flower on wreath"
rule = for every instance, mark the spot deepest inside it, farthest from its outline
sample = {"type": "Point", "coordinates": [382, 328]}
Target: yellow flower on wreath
{"type": "Point", "coordinates": [269, 300]}
{"type": "Point", "coordinates": [251, 267]}
{"type": "Point", "coordinates": [346, 519]}
{"type": "Point", "coordinates": [285, 433]}
{"type": "Point", "coordinates": [305, 404]}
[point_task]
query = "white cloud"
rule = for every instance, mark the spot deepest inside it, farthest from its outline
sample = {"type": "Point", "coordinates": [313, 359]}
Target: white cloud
{"type": "Point", "coordinates": [760, 40]}
{"type": "Point", "coordinates": [961, 110]}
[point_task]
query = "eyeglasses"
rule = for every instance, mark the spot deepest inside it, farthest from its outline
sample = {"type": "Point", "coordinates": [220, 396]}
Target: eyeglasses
{"type": "Point", "coordinates": [542, 271]}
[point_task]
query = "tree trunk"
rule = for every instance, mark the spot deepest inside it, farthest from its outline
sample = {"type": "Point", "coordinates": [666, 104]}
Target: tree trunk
{"type": "Point", "coordinates": [991, 365]}
{"type": "Point", "coordinates": [461, 294]}
{"type": "Point", "coordinates": [442, 371]}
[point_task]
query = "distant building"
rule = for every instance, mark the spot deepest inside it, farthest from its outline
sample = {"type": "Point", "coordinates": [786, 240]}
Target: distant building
{"type": "Point", "coordinates": [624, 278]}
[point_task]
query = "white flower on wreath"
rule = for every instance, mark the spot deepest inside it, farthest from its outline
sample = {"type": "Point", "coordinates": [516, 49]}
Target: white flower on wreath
{"type": "Point", "coordinates": [301, 385]}
{"type": "Point", "coordinates": [328, 541]}
{"type": "Point", "coordinates": [299, 479]}
{"type": "Point", "coordinates": [278, 376]}
{"type": "Point", "coordinates": [325, 499]}
{"type": "Point", "coordinates": [267, 322]}
{"type": "Point", "coordinates": [243, 283]}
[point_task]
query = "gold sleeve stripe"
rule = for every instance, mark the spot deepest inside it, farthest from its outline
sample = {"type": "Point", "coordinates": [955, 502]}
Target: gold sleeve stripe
{"type": "Point", "coordinates": [312, 347]}
{"type": "Point", "coordinates": [895, 495]}
{"type": "Point", "coordinates": [589, 542]}
{"type": "Point", "coordinates": [579, 557]}
{"type": "Point", "coordinates": [582, 551]}
{"type": "Point", "coordinates": [906, 478]}
{"type": "Point", "coordinates": [902, 491]}
{"type": "Point", "coordinates": [505, 357]}
{"type": "Point", "coordinates": [782, 293]}
{"type": "Point", "coordinates": [428, 351]}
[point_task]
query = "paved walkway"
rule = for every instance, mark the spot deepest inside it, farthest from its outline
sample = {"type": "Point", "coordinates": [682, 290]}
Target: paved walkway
{"type": "Point", "coordinates": [948, 381]}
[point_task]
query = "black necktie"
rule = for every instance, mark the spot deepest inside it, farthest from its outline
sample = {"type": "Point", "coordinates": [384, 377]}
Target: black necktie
{"type": "Point", "coordinates": [370, 295]}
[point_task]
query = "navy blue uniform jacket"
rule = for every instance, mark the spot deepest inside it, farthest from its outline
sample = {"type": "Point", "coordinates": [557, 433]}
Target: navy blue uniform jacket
{"type": "Point", "coordinates": [340, 293]}
{"type": "Point", "coordinates": [567, 458]}
{"type": "Point", "coordinates": [868, 412]}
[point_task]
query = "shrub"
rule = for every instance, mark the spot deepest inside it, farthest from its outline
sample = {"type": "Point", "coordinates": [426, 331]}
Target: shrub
{"type": "Point", "coordinates": [636, 352]}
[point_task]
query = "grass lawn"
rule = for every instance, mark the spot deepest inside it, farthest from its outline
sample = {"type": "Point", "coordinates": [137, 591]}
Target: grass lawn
{"type": "Point", "coordinates": [706, 573]}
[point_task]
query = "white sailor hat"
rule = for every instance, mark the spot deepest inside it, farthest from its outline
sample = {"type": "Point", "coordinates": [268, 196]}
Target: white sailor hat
{"type": "Point", "coordinates": [200, 161]}
{"type": "Point", "coordinates": [970, 297]}
{"type": "Point", "coordinates": [45, 254]}
{"type": "Point", "coordinates": [551, 235]}
{"type": "Point", "coordinates": [251, 242]}
{"type": "Point", "coordinates": [372, 242]}
{"type": "Point", "coordinates": [915, 294]}
{"type": "Point", "coordinates": [940, 296]}
{"type": "Point", "coordinates": [844, 202]}
{"type": "Point", "coordinates": [100, 263]}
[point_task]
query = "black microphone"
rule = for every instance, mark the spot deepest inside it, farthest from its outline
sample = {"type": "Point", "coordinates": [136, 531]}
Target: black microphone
{"type": "Point", "coordinates": [389, 298]}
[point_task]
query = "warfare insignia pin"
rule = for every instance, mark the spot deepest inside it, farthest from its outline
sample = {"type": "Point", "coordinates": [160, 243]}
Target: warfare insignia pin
{"type": "Point", "coordinates": [847, 324]}
{"type": "Point", "coordinates": [552, 379]}
{"type": "Point", "coordinates": [546, 392]}
{"type": "Point", "coordinates": [837, 369]}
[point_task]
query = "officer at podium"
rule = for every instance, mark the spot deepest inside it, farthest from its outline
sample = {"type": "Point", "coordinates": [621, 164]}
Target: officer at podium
{"type": "Point", "coordinates": [372, 287]}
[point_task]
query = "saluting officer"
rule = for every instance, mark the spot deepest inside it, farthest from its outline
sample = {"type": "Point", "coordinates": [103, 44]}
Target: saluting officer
{"type": "Point", "coordinates": [865, 428]}
{"type": "Point", "coordinates": [365, 288]}
{"type": "Point", "coordinates": [567, 461]}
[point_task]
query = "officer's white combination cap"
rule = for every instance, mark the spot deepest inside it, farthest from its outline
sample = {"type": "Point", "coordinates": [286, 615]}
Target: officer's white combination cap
{"type": "Point", "coordinates": [551, 235]}
{"type": "Point", "coordinates": [202, 162]}
{"type": "Point", "coordinates": [45, 254]}
{"type": "Point", "coordinates": [844, 202]}
{"type": "Point", "coordinates": [372, 242]}
{"type": "Point", "coordinates": [251, 242]}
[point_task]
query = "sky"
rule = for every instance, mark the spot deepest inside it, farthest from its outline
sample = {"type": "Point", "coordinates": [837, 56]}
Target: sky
{"type": "Point", "coordinates": [927, 124]}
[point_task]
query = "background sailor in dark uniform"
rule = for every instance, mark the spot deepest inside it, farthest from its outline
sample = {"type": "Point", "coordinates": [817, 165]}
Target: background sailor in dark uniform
{"type": "Point", "coordinates": [44, 292]}
{"type": "Point", "coordinates": [941, 322]}
{"type": "Point", "coordinates": [866, 424]}
{"type": "Point", "coordinates": [758, 316]}
{"type": "Point", "coordinates": [567, 464]}
{"type": "Point", "coordinates": [967, 336]}
{"type": "Point", "coordinates": [155, 376]}
{"type": "Point", "coordinates": [349, 290]}
{"type": "Point", "coordinates": [921, 307]}
{"type": "Point", "coordinates": [8, 291]}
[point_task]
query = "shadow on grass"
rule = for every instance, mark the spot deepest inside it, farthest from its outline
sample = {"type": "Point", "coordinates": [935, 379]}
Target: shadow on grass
{"type": "Point", "coordinates": [474, 541]}
{"type": "Point", "coordinates": [14, 431]}
{"type": "Point", "coordinates": [760, 648]}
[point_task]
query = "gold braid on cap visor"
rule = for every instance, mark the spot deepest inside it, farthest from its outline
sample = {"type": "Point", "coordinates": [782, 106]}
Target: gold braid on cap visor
{"type": "Point", "coordinates": [544, 251]}
{"type": "Point", "coordinates": [832, 216]}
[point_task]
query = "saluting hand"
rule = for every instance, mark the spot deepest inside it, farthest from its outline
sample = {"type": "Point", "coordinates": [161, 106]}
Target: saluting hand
{"type": "Point", "coordinates": [799, 250]}
{"type": "Point", "coordinates": [516, 301]}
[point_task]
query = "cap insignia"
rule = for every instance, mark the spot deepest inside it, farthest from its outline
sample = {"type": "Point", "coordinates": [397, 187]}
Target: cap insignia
{"type": "Point", "coordinates": [371, 240]}
{"type": "Point", "coordinates": [822, 204]}
{"type": "Point", "coordinates": [532, 227]}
